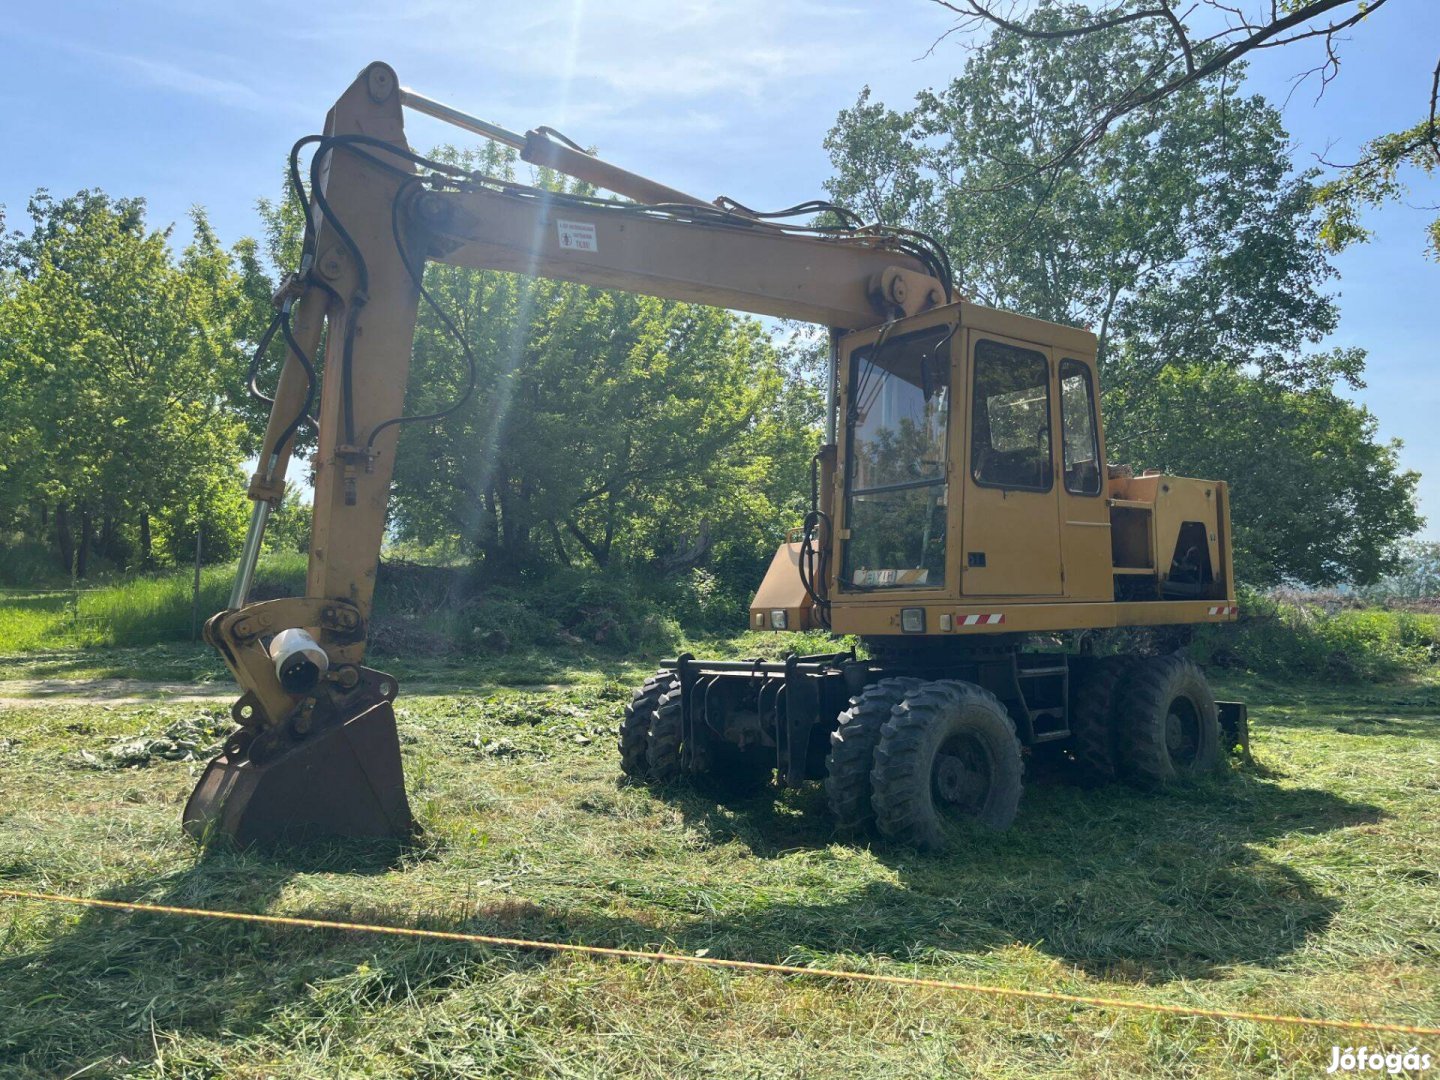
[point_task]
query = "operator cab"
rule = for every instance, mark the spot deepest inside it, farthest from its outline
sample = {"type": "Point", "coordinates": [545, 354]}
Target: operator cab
{"type": "Point", "coordinates": [970, 456]}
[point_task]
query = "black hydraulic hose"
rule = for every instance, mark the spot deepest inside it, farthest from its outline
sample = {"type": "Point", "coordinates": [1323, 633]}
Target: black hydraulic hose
{"type": "Point", "coordinates": [257, 357]}
{"type": "Point", "coordinates": [815, 550]}
{"type": "Point", "coordinates": [305, 362]}
{"type": "Point", "coordinates": [923, 247]}
{"type": "Point", "coordinates": [417, 276]}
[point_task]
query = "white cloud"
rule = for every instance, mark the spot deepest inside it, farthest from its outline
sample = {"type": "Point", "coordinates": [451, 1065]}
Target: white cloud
{"type": "Point", "coordinates": [168, 76]}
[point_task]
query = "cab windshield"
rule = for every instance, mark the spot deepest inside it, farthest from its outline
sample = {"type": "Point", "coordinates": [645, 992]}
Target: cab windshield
{"type": "Point", "coordinates": [895, 482]}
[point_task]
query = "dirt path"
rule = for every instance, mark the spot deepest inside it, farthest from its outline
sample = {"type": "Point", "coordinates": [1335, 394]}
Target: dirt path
{"type": "Point", "coordinates": [23, 692]}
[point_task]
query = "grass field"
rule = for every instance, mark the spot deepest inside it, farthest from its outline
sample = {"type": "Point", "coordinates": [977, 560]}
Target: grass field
{"type": "Point", "coordinates": [1307, 883]}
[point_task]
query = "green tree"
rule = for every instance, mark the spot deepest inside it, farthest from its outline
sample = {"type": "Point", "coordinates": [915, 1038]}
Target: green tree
{"type": "Point", "coordinates": [114, 359]}
{"type": "Point", "coordinates": [605, 427]}
{"type": "Point", "coordinates": [1185, 46]}
{"type": "Point", "coordinates": [1182, 230]}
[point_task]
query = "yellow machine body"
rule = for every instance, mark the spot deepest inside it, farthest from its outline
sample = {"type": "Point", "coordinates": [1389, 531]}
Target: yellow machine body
{"type": "Point", "coordinates": [1044, 547]}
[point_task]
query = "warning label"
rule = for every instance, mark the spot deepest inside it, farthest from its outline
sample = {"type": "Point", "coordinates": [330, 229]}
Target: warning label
{"type": "Point", "coordinates": [577, 235]}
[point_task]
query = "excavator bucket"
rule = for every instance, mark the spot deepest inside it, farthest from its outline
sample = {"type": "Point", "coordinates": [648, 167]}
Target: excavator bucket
{"type": "Point", "coordinates": [345, 780]}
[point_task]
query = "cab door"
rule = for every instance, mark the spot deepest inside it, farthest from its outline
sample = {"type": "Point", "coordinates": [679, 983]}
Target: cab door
{"type": "Point", "coordinates": [1011, 517]}
{"type": "Point", "coordinates": [1084, 512]}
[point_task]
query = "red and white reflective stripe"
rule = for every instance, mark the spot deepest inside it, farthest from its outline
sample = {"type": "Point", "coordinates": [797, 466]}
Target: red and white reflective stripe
{"type": "Point", "coordinates": [1225, 609]}
{"type": "Point", "coordinates": [993, 619]}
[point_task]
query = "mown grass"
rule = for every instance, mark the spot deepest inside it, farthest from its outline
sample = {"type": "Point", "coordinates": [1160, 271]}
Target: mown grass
{"type": "Point", "coordinates": [1307, 883]}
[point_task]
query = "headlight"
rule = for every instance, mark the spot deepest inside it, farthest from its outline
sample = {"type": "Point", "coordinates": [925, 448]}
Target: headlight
{"type": "Point", "coordinates": [777, 619]}
{"type": "Point", "coordinates": [912, 620]}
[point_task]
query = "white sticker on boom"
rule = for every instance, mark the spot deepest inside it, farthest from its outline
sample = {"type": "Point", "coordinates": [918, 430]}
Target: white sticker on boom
{"type": "Point", "coordinates": [576, 235]}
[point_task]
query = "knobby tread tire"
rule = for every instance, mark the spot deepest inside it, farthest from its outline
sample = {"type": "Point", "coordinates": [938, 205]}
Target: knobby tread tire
{"type": "Point", "coordinates": [1094, 736]}
{"type": "Point", "coordinates": [1144, 705]}
{"type": "Point", "coordinates": [901, 788]}
{"type": "Point", "coordinates": [662, 748]}
{"type": "Point", "coordinates": [635, 726]}
{"type": "Point", "coordinates": [852, 751]}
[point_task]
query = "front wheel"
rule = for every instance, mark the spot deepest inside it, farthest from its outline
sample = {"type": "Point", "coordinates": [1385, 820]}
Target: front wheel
{"type": "Point", "coordinates": [948, 755]}
{"type": "Point", "coordinates": [634, 740]}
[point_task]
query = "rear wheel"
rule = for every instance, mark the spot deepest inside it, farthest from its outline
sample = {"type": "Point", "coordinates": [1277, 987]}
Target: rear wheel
{"type": "Point", "coordinates": [852, 751]}
{"type": "Point", "coordinates": [948, 755]}
{"type": "Point", "coordinates": [1169, 724]}
{"type": "Point", "coordinates": [1094, 688]}
{"type": "Point", "coordinates": [635, 727]}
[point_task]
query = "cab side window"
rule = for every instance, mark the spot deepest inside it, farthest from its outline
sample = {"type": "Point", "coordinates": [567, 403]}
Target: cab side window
{"type": "Point", "coordinates": [1010, 425]}
{"type": "Point", "coordinates": [1077, 417]}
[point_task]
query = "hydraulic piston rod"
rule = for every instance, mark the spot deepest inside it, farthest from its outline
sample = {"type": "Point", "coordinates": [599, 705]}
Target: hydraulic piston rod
{"type": "Point", "coordinates": [440, 111]}
{"type": "Point", "coordinates": [538, 148]}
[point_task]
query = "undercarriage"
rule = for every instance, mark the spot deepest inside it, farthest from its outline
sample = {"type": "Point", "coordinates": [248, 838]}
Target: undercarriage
{"type": "Point", "coordinates": [927, 732]}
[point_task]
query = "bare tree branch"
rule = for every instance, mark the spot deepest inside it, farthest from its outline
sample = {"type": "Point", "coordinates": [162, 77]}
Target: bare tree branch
{"type": "Point", "coordinates": [975, 9]}
{"type": "Point", "coordinates": [1241, 34]}
{"type": "Point", "coordinates": [1430, 128]}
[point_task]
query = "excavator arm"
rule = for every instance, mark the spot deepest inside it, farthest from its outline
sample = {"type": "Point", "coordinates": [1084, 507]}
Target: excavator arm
{"type": "Point", "coordinates": [316, 750]}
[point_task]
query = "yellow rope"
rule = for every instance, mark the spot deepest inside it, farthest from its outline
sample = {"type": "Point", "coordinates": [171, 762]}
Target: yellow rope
{"type": "Point", "coordinates": [715, 962]}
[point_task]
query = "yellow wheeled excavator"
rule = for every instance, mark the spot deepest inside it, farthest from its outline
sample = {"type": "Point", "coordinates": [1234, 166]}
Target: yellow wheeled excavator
{"type": "Point", "coordinates": [961, 505]}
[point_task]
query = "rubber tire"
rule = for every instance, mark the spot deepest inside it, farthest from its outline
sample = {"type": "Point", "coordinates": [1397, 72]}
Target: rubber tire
{"type": "Point", "coordinates": [1094, 733]}
{"type": "Point", "coordinates": [635, 727]}
{"type": "Point", "coordinates": [662, 746]}
{"type": "Point", "coordinates": [852, 752]}
{"type": "Point", "coordinates": [1145, 701]}
{"type": "Point", "coordinates": [901, 789]}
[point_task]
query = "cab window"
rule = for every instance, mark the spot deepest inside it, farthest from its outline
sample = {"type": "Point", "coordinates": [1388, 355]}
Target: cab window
{"type": "Point", "coordinates": [1010, 425]}
{"type": "Point", "coordinates": [1077, 417]}
{"type": "Point", "coordinates": [896, 482]}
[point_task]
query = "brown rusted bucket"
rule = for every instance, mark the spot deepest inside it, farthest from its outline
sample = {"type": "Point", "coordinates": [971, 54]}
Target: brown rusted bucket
{"type": "Point", "coordinates": [346, 780]}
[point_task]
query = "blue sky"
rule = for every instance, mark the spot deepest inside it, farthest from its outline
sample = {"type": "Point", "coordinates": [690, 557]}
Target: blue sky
{"type": "Point", "coordinates": [187, 103]}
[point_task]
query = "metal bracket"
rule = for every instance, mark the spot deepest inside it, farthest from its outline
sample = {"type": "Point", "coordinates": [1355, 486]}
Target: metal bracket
{"type": "Point", "coordinates": [900, 292]}
{"type": "Point", "coordinates": [240, 637]}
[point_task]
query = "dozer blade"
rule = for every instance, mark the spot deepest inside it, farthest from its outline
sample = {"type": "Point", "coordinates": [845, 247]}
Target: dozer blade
{"type": "Point", "coordinates": [345, 780]}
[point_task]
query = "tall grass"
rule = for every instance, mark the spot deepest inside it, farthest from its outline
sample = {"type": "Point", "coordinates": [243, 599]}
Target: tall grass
{"type": "Point", "coordinates": [142, 611]}
{"type": "Point", "coordinates": [1295, 638]}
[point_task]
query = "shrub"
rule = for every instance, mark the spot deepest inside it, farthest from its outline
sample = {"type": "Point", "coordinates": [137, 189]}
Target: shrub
{"type": "Point", "coordinates": [26, 564]}
{"type": "Point", "coordinates": [1295, 637]}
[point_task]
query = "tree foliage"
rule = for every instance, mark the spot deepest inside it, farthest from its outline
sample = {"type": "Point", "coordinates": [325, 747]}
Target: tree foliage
{"type": "Point", "coordinates": [116, 359]}
{"type": "Point", "coordinates": [1183, 46]}
{"type": "Point", "coordinates": [605, 428]}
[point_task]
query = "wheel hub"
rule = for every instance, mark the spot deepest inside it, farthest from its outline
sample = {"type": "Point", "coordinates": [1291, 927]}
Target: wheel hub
{"type": "Point", "coordinates": [1182, 731]}
{"type": "Point", "coordinates": [960, 781]}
